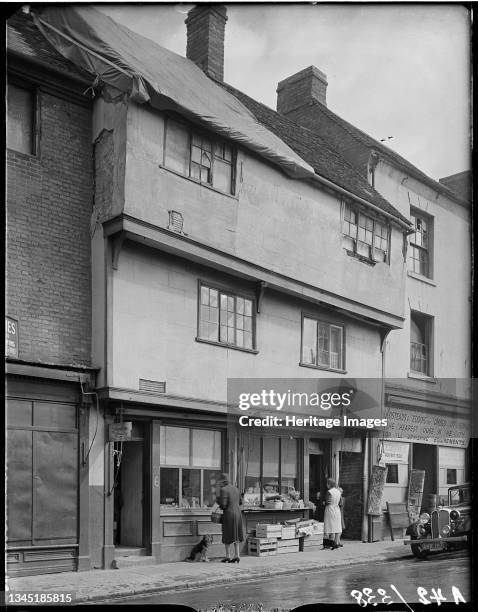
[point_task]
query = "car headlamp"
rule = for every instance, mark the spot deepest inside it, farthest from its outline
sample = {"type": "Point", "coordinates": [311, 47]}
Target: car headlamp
{"type": "Point", "coordinates": [455, 515]}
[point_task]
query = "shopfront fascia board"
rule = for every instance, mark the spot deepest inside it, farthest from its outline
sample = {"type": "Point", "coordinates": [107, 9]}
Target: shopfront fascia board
{"type": "Point", "coordinates": [429, 403]}
{"type": "Point", "coordinates": [124, 227]}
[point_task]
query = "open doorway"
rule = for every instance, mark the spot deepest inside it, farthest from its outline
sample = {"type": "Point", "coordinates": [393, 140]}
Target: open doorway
{"type": "Point", "coordinates": [319, 471]}
{"type": "Point", "coordinates": [128, 496]}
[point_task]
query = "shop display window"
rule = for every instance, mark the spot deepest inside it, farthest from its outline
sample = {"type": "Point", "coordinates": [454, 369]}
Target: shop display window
{"type": "Point", "coordinates": [271, 470]}
{"type": "Point", "coordinates": [196, 457]}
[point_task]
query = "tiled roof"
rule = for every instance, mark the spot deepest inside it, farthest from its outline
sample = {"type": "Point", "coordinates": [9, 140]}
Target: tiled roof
{"type": "Point", "coordinates": [335, 126]}
{"type": "Point", "coordinates": [459, 183]}
{"type": "Point", "coordinates": [317, 152]}
{"type": "Point", "coordinates": [24, 38]}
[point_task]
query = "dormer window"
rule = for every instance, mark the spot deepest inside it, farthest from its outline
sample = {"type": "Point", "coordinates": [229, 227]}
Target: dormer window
{"type": "Point", "coordinates": [364, 236]}
{"type": "Point", "coordinates": [200, 156]}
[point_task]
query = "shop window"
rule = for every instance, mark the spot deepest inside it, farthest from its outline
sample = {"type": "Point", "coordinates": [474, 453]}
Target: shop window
{"type": "Point", "coordinates": [191, 482]}
{"type": "Point", "coordinates": [451, 476]}
{"type": "Point", "coordinates": [392, 473]}
{"type": "Point", "coordinates": [419, 252]}
{"type": "Point", "coordinates": [420, 343]}
{"type": "Point", "coordinates": [271, 469]}
{"type": "Point", "coordinates": [21, 119]}
{"type": "Point", "coordinates": [199, 156]}
{"type": "Point", "coordinates": [364, 235]}
{"type": "Point", "coordinates": [226, 318]}
{"type": "Point", "coordinates": [322, 344]}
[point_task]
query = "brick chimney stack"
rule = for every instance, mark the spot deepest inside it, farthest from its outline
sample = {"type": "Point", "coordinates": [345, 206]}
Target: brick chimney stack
{"type": "Point", "coordinates": [206, 24]}
{"type": "Point", "coordinates": [300, 89]}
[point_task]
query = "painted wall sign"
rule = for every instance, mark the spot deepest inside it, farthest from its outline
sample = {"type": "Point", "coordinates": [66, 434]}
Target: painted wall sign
{"type": "Point", "coordinates": [11, 337]}
{"type": "Point", "coordinates": [120, 432]}
{"type": "Point", "coordinates": [395, 452]}
{"type": "Point", "coordinates": [375, 490]}
{"type": "Point", "coordinates": [416, 484]}
{"type": "Point", "coordinates": [415, 426]}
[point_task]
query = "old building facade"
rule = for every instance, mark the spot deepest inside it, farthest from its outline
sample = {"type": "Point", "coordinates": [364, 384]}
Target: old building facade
{"type": "Point", "coordinates": [217, 239]}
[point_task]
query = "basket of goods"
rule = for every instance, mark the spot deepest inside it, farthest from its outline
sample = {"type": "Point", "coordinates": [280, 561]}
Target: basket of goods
{"type": "Point", "coordinates": [216, 514]}
{"type": "Point", "coordinates": [286, 504]}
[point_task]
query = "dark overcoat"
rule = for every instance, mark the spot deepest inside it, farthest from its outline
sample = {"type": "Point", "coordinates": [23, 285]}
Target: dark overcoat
{"type": "Point", "coordinates": [229, 500]}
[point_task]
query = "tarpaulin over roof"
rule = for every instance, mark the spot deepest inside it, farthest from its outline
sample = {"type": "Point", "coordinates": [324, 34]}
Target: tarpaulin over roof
{"type": "Point", "coordinates": [150, 73]}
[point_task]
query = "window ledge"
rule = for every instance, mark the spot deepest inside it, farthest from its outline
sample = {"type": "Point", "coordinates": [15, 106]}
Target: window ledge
{"type": "Point", "coordinates": [365, 260]}
{"type": "Point", "coordinates": [317, 367]}
{"type": "Point", "coordinates": [422, 278]}
{"type": "Point", "coordinates": [192, 180]}
{"type": "Point", "coordinates": [228, 346]}
{"type": "Point", "coordinates": [418, 376]}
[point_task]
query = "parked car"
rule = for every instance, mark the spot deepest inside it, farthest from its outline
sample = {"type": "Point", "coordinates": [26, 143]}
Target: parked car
{"type": "Point", "coordinates": [446, 528]}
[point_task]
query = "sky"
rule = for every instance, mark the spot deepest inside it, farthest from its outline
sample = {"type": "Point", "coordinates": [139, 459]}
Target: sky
{"type": "Point", "coordinates": [392, 70]}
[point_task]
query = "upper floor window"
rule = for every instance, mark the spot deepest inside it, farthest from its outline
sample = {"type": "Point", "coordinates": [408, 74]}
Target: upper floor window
{"type": "Point", "coordinates": [420, 343]}
{"type": "Point", "coordinates": [199, 156]}
{"type": "Point", "coordinates": [226, 318]}
{"type": "Point", "coordinates": [322, 344]}
{"type": "Point", "coordinates": [420, 245]}
{"type": "Point", "coordinates": [364, 235]}
{"type": "Point", "coordinates": [20, 120]}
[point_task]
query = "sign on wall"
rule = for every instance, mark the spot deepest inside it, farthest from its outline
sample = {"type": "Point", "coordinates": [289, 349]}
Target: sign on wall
{"type": "Point", "coordinates": [11, 337]}
{"type": "Point", "coordinates": [416, 426]}
{"type": "Point", "coordinates": [395, 452]}
{"type": "Point", "coordinates": [375, 490]}
{"type": "Point", "coordinates": [120, 432]}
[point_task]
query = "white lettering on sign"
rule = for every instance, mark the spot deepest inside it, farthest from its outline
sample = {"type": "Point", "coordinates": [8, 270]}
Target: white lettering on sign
{"type": "Point", "coordinates": [413, 426]}
{"type": "Point", "coordinates": [11, 337]}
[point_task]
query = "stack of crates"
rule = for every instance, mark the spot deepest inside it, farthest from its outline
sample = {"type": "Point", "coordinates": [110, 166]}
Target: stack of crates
{"type": "Point", "coordinates": [273, 539]}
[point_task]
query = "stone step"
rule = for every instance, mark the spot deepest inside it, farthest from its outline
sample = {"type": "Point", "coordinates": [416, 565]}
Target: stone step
{"type": "Point", "coordinates": [129, 551]}
{"type": "Point", "coordinates": [133, 561]}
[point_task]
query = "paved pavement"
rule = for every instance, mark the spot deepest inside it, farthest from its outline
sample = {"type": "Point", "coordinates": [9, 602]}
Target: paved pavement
{"type": "Point", "coordinates": [96, 585]}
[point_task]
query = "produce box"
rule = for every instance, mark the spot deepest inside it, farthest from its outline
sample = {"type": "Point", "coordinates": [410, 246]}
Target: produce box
{"type": "Point", "coordinates": [261, 547]}
{"type": "Point", "coordinates": [266, 530]}
{"type": "Point", "coordinates": [288, 533]}
{"type": "Point", "coordinates": [288, 546]}
{"type": "Point", "coordinates": [310, 541]}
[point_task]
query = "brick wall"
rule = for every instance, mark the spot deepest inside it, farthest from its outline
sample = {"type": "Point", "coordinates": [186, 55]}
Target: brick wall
{"type": "Point", "coordinates": [49, 198]}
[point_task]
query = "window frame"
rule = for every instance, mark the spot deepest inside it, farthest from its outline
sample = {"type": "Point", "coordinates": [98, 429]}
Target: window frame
{"type": "Point", "coordinates": [35, 114]}
{"type": "Point", "coordinates": [229, 293]}
{"type": "Point", "coordinates": [261, 478]}
{"type": "Point", "coordinates": [428, 332]}
{"type": "Point", "coordinates": [361, 213]}
{"type": "Point", "coordinates": [215, 140]}
{"type": "Point", "coordinates": [420, 216]}
{"type": "Point", "coordinates": [330, 324]}
{"type": "Point", "coordinates": [201, 469]}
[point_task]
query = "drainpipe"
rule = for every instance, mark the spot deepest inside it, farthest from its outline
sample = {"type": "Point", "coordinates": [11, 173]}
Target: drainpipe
{"type": "Point", "coordinates": [365, 480]}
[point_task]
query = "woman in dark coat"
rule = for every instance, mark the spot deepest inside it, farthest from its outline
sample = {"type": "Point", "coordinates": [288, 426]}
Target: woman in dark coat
{"type": "Point", "coordinates": [232, 533]}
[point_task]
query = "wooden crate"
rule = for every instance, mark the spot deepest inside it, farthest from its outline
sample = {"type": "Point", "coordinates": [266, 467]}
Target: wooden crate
{"type": "Point", "coordinates": [288, 546]}
{"type": "Point", "coordinates": [311, 541]}
{"type": "Point", "coordinates": [288, 533]}
{"type": "Point", "coordinates": [266, 530]}
{"type": "Point", "coordinates": [261, 547]}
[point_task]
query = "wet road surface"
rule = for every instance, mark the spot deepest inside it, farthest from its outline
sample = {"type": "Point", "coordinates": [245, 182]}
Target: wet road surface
{"type": "Point", "coordinates": [334, 586]}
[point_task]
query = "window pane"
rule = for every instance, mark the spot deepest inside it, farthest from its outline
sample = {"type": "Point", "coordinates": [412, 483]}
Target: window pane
{"type": "Point", "coordinates": [335, 347]}
{"type": "Point", "coordinates": [222, 175]}
{"type": "Point", "coordinates": [205, 295]}
{"type": "Point", "coordinates": [191, 488]}
{"type": "Point", "coordinates": [392, 473]}
{"type": "Point", "coordinates": [177, 147]}
{"type": "Point", "coordinates": [210, 491]}
{"type": "Point", "coordinates": [20, 119]}
{"type": "Point", "coordinates": [248, 340]}
{"type": "Point", "coordinates": [323, 344]}
{"type": "Point", "coordinates": [270, 455]}
{"type": "Point", "coordinates": [451, 476]}
{"type": "Point", "coordinates": [169, 486]}
{"type": "Point", "coordinates": [248, 308]}
{"type": "Point", "coordinates": [174, 446]}
{"type": "Point", "coordinates": [309, 341]}
{"type": "Point", "coordinates": [288, 457]}
{"type": "Point", "coordinates": [252, 454]}
{"type": "Point", "coordinates": [206, 448]}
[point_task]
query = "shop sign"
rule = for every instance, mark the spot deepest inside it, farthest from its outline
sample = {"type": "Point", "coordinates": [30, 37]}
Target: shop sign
{"type": "Point", "coordinates": [395, 452]}
{"type": "Point", "coordinates": [415, 426]}
{"type": "Point", "coordinates": [120, 432]}
{"type": "Point", "coordinates": [11, 337]}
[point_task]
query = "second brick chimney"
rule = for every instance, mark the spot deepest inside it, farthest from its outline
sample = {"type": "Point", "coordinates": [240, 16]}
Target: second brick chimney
{"type": "Point", "coordinates": [301, 89]}
{"type": "Point", "coordinates": [206, 25]}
